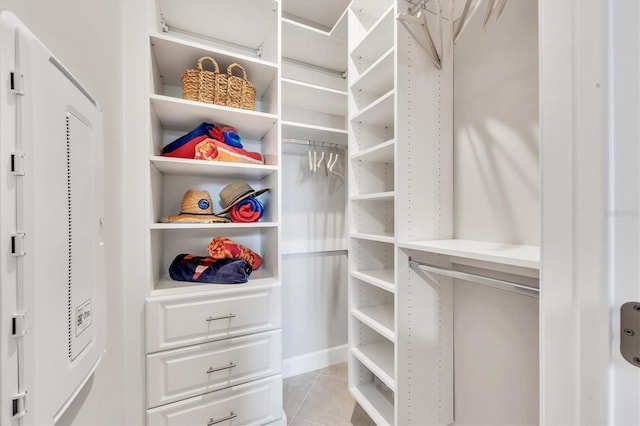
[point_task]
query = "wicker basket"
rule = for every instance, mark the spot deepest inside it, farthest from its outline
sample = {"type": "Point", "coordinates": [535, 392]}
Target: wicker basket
{"type": "Point", "coordinates": [240, 92]}
{"type": "Point", "coordinates": [205, 86]}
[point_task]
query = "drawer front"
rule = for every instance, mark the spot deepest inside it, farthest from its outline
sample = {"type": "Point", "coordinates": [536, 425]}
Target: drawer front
{"type": "Point", "coordinates": [254, 403]}
{"type": "Point", "coordinates": [182, 373]}
{"type": "Point", "coordinates": [191, 320]}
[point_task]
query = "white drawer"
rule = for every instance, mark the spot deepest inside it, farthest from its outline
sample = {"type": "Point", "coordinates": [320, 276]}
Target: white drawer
{"type": "Point", "coordinates": [182, 373]}
{"type": "Point", "coordinates": [178, 321]}
{"type": "Point", "coordinates": [254, 403]}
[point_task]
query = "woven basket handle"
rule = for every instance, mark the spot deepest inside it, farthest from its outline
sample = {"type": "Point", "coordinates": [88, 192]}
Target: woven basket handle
{"type": "Point", "coordinates": [234, 65]}
{"type": "Point", "coordinates": [215, 64]}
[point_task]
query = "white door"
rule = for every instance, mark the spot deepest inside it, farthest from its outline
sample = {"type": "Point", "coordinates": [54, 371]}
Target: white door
{"type": "Point", "coordinates": [590, 116]}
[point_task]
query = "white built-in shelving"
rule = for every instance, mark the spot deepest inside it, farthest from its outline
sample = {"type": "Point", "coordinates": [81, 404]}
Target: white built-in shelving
{"type": "Point", "coordinates": [246, 33]}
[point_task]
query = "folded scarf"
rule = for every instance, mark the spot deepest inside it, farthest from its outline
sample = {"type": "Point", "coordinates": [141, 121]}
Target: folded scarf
{"type": "Point", "coordinates": [231, 137]}
{"type": "Point", "coordinates": [247, 210]}
{"type": "Point", "coordinates": [224, 248]}
{"type": "Point", "coordinates": [198, 269]}
{"type": "Point", "coordinates": [184, 146]}
{"type": "Point", "coordinates": [213, 150]}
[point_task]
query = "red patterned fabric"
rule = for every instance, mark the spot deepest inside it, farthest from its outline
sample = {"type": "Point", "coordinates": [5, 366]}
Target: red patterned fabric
{"type": "Point", "coordinates": [224, 248]}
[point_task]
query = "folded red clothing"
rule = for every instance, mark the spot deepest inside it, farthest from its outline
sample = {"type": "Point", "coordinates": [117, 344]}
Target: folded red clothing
{"type": "Point", "coordinates": [184, 146]}
{"type": "Point", "coordinates": [224, 248]}
{"type": "Point", "coordinates": [213, 150]}
{"type": "Point", "coordinates": [246, 211]}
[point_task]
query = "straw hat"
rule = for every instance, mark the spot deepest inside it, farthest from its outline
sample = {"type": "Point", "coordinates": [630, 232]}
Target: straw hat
{"type": "Point", "coordinates": [196, 207]}
{"type": "Point", "coordinates": [236, 192]}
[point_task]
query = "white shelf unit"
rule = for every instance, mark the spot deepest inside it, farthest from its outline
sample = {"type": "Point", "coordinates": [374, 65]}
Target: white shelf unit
{"type": "Point", "coordinates": [191, 36]}
{"type": "Point", "coordinates": [372, 208]}
{"type": "Point", "coordinates": [314, 97]}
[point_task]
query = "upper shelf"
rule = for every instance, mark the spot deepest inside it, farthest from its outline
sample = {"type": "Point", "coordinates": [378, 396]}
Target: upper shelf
{"type": "Point", "coordinates": [184, 115]}
{"type": "Point", "coordinates": [378, 113]}
{"type": "Point", "coordinates": [378, 78]}
{"type": "Point", "coordinates": [380, 153]}
{"type": "Point", "coordinates": [506, 254]}
{"type": "Point", "coordinates": [302, 131]}
{"type": "Point", "coordinates": [247, 24]}
{"type": "Point", "coordinates": [311, 97]}
{"type": "Point", "coordinates": [174, 55]}
{"type": "Point", "coordinates": [378, 40]}
{"type": "Point", "coordinates": [327, 52]}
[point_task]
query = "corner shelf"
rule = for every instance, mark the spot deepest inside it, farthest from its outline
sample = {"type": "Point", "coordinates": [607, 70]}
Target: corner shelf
{"type": "Point", "coordinates": [378, 39]}
{"type": "Point", "coordinates": [377, 113]}
{"type": "Point", "coordinates": [299, 37]}
{"type": "Point", "coordinates": [506, 254]}
{"type": "Point", "coordinates": [380, 153]}
{"type": "Point", "coordinates": [312, 97]}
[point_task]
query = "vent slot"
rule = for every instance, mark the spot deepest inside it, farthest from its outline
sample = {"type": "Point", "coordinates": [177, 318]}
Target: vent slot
{"type": "Point", "coordinates": [13, 82]}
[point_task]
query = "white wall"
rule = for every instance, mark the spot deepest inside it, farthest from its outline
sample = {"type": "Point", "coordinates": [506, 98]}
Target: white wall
{"type": "Point", "coordinates": [86, 36]}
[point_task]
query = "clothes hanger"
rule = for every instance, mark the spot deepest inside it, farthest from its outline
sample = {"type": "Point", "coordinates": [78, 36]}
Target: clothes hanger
{"type": "Point", "coordinates": [467, 14]}
{"type": "Point", "coordinates": [310, 159]}
{"type": "Point", "coordinates": [429, 47]}
{"type": "Point", "coordinates": [490, 7]}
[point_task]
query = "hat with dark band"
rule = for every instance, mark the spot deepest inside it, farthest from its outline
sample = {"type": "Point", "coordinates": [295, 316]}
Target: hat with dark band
{"type": "Point", "coordinates": [235, 192]}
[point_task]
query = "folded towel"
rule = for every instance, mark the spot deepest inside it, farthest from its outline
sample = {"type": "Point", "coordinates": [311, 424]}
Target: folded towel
{"type": "Point", "coordinates": [213, 150]}
{"type": "Point", "coordinates": [192, 268]}
{"type": "Point", "coordinates": [231, 137]}
{"type": "Point", "coordinates": [247, 210]}
{"type": "Point", "coordinates": [184, 146]}
{"type": "Point", "coordinates": [224, 248]}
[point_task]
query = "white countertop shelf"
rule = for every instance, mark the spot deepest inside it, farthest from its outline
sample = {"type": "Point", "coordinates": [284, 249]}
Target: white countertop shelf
{"type": "Point", "coordinates": [506, 254]}
{"type": "Point", "coordinates": [382, 278]}
{"type": "Point", "coordinates": [383, 238]}
{"type": "Point", "coordinates": [298, 94]}
{"type": "Point", "coordinates": [379, 408]}
{"type": "Point", "coordinates": [378, 112]}
{"type": "Point", "coordinates": [174, 55]}
{"type": "Point", "coordinates": [378, 78]}
{"type": "Point", "coordinates": [380, 318]}
{"type": "Point", "coordinates": [302, 131]}
{"type": "Point", "coordinates": [379, 38]}
{"type": "Point", "coordinates": [328, 51]}
{"type": "Point", "coordinates": [381, 153]}
{"type": "Point", "coordinates": [187, 167]}
{"type": "Point", "coordinates": [377, 196]}
{"type": "Point", "coordinates": [378, 357]}
{"type": "Point", "coordinates": [185, 115]}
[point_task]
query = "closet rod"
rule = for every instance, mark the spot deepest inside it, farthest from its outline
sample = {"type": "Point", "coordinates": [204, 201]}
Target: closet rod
{"type": "Point", "coordinates": [341, 74]}
{"type": "Point", "coordinates": [477, 279]}
{"type": "Point", "coordinates": [318, 144]}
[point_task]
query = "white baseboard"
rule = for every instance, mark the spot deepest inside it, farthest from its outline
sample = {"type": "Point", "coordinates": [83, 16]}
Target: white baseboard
{"type": "Point", "coordinates": [314, 360]}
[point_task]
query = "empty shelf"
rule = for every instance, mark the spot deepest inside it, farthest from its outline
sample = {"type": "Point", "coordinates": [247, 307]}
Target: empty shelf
{"type": "Point", "coordinates": [378, 40]}
{"type": "Point", "coordinates": [378, 78]}
{"type": "Point", "coordinates": [379, 408]}
{"type": "Point", "coordinates": [378, 113]}
{"type": "Point", "coordinates": [380, 318]}
{"type": "Point", "coordinates": [381, 153]}
{"type": "Point", "coordinates": [383, 238]}
{"type": "Point", "coordinates": [328, 51]}
{"type": "Point", "coordinates": [378, 357]}
{"type": "Point", "coordinates": [506, 254]}
{"type": "Point", "coordinates": [382, 278]}
{"type": "Point", "coordinates": [297, 94]}
{"type": "Point", "coordinates": [377, 196]}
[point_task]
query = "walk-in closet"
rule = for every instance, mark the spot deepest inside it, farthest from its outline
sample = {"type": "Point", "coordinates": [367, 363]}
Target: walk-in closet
{"type": "Point", "coordinates": [320, 212]}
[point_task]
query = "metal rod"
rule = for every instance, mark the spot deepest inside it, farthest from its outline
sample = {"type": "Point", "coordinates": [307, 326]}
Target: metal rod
{"type": "Point", "coordinates": [314, 143]}
{"type": "Point", "coordinates": [338, 73]}
{"type": "Point", "coordinates": [477, 279]}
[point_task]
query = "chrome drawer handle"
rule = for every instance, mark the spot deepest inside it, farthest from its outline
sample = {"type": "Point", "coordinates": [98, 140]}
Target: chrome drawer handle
{"type": "Point", "coordinates": [226, 367]}
{"type": "Point", "coordinates": [221, 318]}
{"type": "Point", "coordinates": [229, 417]}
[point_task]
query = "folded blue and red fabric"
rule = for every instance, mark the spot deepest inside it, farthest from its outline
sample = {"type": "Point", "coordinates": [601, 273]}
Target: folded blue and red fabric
{"type": "Point", "coordinates": [209, 142]}
{"type": "Point", "coordinates": [228, 263]}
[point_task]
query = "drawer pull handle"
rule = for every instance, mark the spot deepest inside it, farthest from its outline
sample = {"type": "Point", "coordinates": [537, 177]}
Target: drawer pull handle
{"type": "Point", "coordinates": [221, 318]}
{"type": "Point", "coordinates": [226, 367]}
{"type": "Point", "coordinates": [229, 417]}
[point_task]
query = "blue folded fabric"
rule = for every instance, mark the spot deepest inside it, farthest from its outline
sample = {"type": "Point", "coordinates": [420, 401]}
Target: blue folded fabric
{"type": "Point", "coordinates": [232, 138]}
{"type": "Point", "coordinates": [199, 269]}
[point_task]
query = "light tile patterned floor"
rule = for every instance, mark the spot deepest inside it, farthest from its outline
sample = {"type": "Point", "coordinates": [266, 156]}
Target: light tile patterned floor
{"type": "Point", "coordinates": [322, 398]}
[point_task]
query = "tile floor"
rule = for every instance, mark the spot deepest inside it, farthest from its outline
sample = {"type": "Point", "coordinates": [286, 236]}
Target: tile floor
{"type": "Point", "coordinates": [322, 398]}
